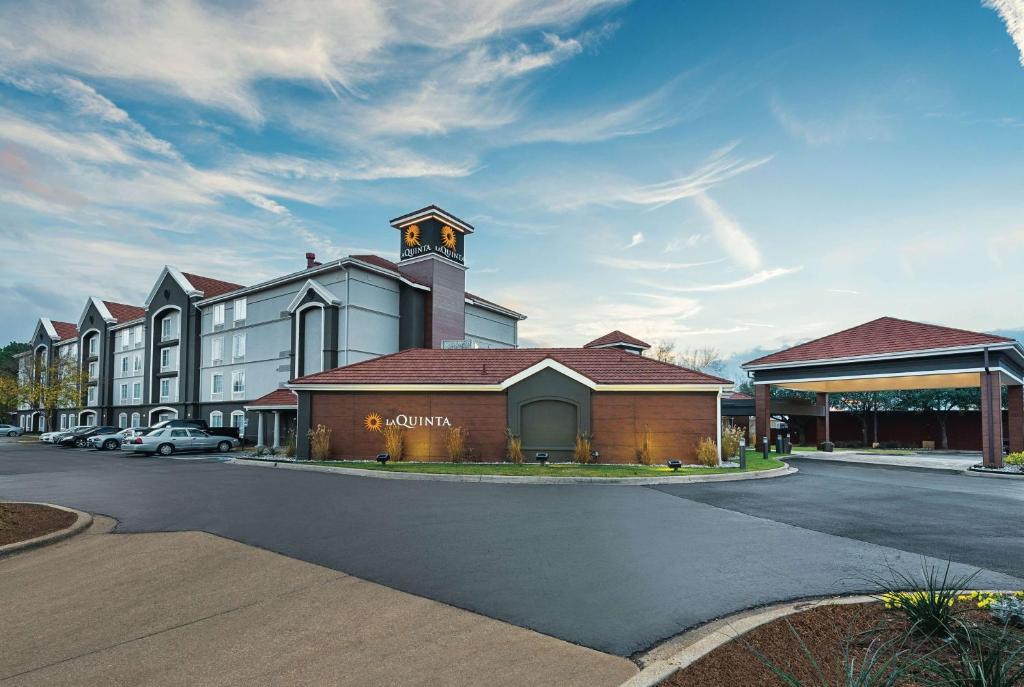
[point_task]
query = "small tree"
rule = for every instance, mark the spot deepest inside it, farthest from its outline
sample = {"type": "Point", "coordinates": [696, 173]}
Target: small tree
{"type": "Point", "coordinates": [10, 393]}
{"type": "Point", "coordinates": [49, 385]}
{"type": "Point", "coordinates": [942, 403]}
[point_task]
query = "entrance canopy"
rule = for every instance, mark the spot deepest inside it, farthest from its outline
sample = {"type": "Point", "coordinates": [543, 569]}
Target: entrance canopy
{"type": "Point", "coordinates": [890, 354]}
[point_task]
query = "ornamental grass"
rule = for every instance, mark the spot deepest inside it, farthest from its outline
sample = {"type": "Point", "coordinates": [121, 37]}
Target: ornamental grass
{"type": "Point", "coordinates": [394, 441]}
{"type": "Point", "coordinates": [583, 450]}
{"type": "Point", "coordinates": [320, 442]}
{"type": "Point", "coordinates": [455, 442]}
{"type": "Point", "coordinates": [707, 452]}
{"type": "Point", "coordinates": [644, 455]}
{"type": "Point", "coordinates": [514, 447]}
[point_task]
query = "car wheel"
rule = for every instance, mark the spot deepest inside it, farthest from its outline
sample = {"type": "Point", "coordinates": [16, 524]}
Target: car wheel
{"type": "Point", "coordinates": [80, 443]}
{"type": "Point", "coordinates": [165, 449]}
{"type": "Point", "coordinates": [224, 446]}
{"type": "Point", "coordinates": [12, 434]}
{"type": "Point", "coordinates": [110, 445]}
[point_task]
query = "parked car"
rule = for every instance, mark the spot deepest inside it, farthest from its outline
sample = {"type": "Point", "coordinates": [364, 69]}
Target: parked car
{"type": "Point", "coordinates": [80, 437]}
{"type": "Point", "coordinates": [52, 437]}
{"type": "Point", "coordinates": [11, 431]}
{"type": "Point", "coordinates": [112, 442]}
{"type": "Point", "coordinates": [168, 440]}
{"type": "Point", "coordinates": [199, 424]}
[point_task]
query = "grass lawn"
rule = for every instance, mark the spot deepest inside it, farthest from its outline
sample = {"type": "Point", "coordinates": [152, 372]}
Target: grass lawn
{"type": "Point", "coordinates": [552, 469]}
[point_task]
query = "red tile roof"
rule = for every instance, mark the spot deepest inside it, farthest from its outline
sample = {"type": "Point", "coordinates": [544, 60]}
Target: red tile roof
{"type": "Point", "coordinates": [65, 330]}
{"type": "Point", "coordinates": [738, 396]}
{"type": "Point", "coordinates": [123, 312]}
{"type": "Point", "coordinates": [493, 366]}
{"type": "Point", "coordinates": [878, 337]}
{"type": "Point", "coordinates": [617, 337]}
{"type": "Point", "coordinates": [277, 397]}
{"type": "Point", "coordinates": [209, 286]}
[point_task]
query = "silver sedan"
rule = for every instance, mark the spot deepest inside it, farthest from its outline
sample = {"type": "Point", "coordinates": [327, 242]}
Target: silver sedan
{"type": "Point", "coordinates": [11, 431]}
{"type": "Point", "coordinates": [178, 440]}
{"type": "Point", "coordinates": [112, 442]}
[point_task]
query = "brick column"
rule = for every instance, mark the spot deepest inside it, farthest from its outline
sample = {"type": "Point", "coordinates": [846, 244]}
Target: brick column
{"type": "Point", "coordinates": [991, 420]}
{"type": "Point", "coordinates": [762, 412]}
{"type": "Point", "coordinates": [821, 403]}
{"type": "Point", "coordinates": [1015, 416]}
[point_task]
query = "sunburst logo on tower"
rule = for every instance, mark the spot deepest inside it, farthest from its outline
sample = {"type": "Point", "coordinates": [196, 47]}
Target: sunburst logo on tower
{"type": "Point", "coordinates": [412, 235]}
{"type": "Point", "coordinates": [448, 237]}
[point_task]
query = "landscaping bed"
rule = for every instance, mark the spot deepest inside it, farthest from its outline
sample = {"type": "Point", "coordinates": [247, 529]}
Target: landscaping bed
{"type": "Point", "coordinates": [549, 470]}
{"type": "Point", "coordinates": [874, 642]}
{"type": "Point", "coordinates": [21, 521]}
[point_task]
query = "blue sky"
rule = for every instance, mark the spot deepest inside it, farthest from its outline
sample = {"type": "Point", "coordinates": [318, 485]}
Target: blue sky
{"type": "Point", "coordinates": [728, 174]}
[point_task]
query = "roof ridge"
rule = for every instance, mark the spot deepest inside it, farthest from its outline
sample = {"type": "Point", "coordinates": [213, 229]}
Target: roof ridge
{"type": "Point", "coordinates": [943, 326]}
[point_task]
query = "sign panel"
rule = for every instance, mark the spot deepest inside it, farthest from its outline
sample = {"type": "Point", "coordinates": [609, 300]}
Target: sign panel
{"type": "Point", "coordinates": [432, 236]}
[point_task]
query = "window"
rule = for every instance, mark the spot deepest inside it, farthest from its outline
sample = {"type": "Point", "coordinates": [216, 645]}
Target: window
{"type": "Point", "coordinates": [64, 421]}
{"type": "Point", "coordinates": [91, 396]}
{"type": "Point", "coordinates": [217, 385]}
{"type": "Point", "coordinates": [93, 370]}
{"type": "Point", "coordinates": [124, 338]}
{"type": "Point", "coordinates": [179, 434]}
{"type": "Point", "coordinates": [94, 345]}
{"type": "Point", "coordinates": [124, 366]}
{"type": "Point", "coordinates": [163, 417]}
{"type": "Point", "coordinates": [238, 420]}
{"type": "Point", "coordinates": [165, 360]}
{"type": "Point", "coordinates": [136, 420]}
{"type": "Point", "coordinates": [218, 315]}
{"type": "Point", "coordinates": [238, 311]}
{"type": "Point", "coordinates": [137, 391]}
{"type": "Point", "coordinates": [138, 336]}
{"type": "Point", "coordinates": [238, 346]}
{"type": "Point", "coordinates": [217, 349]}
{"type": "Point", "coordinates": [238, 382]}
{"type": "Point", "coordinates": [137, 363]}
{"type": "Point", "coordinates": [216, 419]}
{"type": "Point", "coordinates": [122, 420]}
{"type": "Point", "coordinates": [167, 328]}
{"type": "Point", "coordinates": [124, 393]}
{"type": "Point", "coordinates": [165, 389]}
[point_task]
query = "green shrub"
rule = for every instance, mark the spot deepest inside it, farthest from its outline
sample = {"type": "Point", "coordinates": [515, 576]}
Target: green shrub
{"type": "Point", "coordinates": [643, 449]}
{"type": "Point", "coordinates": [983, 659]}
{"type": "Point", "coordinates": [707, 452]}
{"type": "Point", "coordinates": [731, 437]}
{"type": "Point", "coordinates": [929, 609]}
{"type": "Point", "coordinates": [1016, 459]}
{"type": "Point", "coordinates": [514, 447]}
{"type": "Point", "coordinates": [583, 449]}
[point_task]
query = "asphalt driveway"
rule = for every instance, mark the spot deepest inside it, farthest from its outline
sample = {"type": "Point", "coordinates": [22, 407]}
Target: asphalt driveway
{"type": "Point", "coordinates": [612, 568]}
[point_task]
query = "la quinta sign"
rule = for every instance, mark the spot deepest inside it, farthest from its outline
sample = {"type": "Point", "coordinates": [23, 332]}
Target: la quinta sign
{"type": "Point", "coordinates": [375, 422]}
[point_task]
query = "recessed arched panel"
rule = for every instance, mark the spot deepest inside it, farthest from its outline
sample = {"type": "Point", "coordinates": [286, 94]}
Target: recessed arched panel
{"type": "Point", "coordinates": [549, 425]}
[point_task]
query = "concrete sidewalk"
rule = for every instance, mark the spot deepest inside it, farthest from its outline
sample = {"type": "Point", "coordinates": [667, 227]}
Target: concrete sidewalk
{"type": "Point", "coordinates": [945, 462]}
{"type": "Point", "coordinates": [191, 608]}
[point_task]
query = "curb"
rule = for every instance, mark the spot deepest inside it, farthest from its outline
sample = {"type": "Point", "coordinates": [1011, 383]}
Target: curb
{"type": "Point", "coordinates": [893, 466]}
{"type": "Point", "coordinates": [998, 475]}
{"type": "Point", "coordinates": [694, 644]}
{"type": "Point", "coordinates": [83, 521]}
{"type": "Point", "coordinates": [523, 479]}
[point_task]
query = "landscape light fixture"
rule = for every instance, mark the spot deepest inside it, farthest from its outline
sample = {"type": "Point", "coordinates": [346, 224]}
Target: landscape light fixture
{"type": "Point", "coordinates": [594, 455]}
{"type": "Point", "coordinates": [675, 464]}
{"type": "Point", "coordinates": [541, 458]}
{"type": "Point", "coordinates": [383, 458]}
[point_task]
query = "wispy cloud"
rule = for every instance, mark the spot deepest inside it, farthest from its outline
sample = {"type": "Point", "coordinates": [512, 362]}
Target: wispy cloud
{"type": "Point", "coordinates": [728, 233]}
{"type": "Point", "coordinates": [846, 291]}
{"type": "Point", "coordinates": [636, 239]}
{"type": "Point", "coordinates": [649, 265]}
{"type": "Point", "coordinates": [1012, 14]}
{"type": "Point", "coordinates": [858, 122]}
{"type": "Point", "coordinates": [752, 280]}
{"type": "Point", "coordinates": [680, 243]}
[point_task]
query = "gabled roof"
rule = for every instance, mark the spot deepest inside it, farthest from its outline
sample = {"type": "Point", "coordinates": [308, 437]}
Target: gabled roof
{"type": "Point", "coordinates": [886, 335]}
{"type": "Point", "coordinates": [433, 211]}
{"type": "Point", "coordinates": [209, 286]}
{"type": "Point", "coordinates": [65, 330]}
{"type": "Point", "coordinates": [430, 366]}
{"type": "Point", "coordinates": [738, 396]}
{"type": "Point", "coordinates": [617, 337]}
{"type": "Point", "coordinates": [278, 398]}
{"type": "Point", "coordinates": [122, 312]}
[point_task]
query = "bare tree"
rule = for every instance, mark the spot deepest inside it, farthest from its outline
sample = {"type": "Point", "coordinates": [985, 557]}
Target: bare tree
{"type": "Point", "coordinates": [665, 351]}
{"type": "Point", "coordinates": [705, 359]}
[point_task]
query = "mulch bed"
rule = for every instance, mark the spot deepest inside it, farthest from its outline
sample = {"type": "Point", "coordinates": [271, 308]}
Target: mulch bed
{"type": "Point", "coordinates": [825, 632]}
{"type": "Point", "coordinates": [21, 521]}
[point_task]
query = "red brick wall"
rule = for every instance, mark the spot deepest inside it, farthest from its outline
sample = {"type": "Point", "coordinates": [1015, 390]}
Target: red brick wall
{"type": "Point", "coordinates": [482, 413]}
{"type": "Point", "coordinates": [677, 422]}
{"type": "Point", "coordinates": [908, 428]}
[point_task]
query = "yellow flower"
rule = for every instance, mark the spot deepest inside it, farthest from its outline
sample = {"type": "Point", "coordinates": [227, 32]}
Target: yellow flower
{"type": "Point", "coordinates": [412, 235]}
{"type": "Point", "coordinates": [373, 422]}
{"type": "Point", "coordinates": [448, 237]}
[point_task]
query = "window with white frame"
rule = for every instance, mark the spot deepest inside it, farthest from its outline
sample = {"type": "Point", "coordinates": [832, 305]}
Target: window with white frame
{"type": "Point", "coordinates": [138, 336]}
{"type": "Point", "coordinates": [237, 383]}
{"type": "Point", "coordinates": [124, 366]}
{"type": "Point", "coordinates": [122, 420]}
{"type": "Point", "coordinates": [238, 346]}
{"type": "Point", "coordinates": [238, 310]}
{"type": "Point", "coordinates": [90, 396]}
{"type": "Point", "coordinates": [167, 328]}
{"type": "Point", "coordinates": [137, 362]}
{"type": "Point", "coordinates": [218, 315]}
{"type": "Point", "coordinates": [64, 421]}
{"type": "Point", "coordinates": [238, 420]}
{"type": "Point", "coordinates": [165, 389]}
{"type": "Point", "coordinates": [217, 386]}
{"type": "Point", "coordinates": [216, 419]}
{"type": "Point", "coordinates": [137, 391]}
{"type": "Point", "coordinates": [217, 349]}
{"type": "Point", "coordinates": [94, 345]}
{"type": "Point", "coordinates": [124, 338]}
{"type": "Point", "coordinates": [166, 359]}
{"type": "Point", "coordinates": [93, 370]}
{"type": "Point", "coordinates": [124, 393]}
{"type": "Point", "coordinates": [136, 420]}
